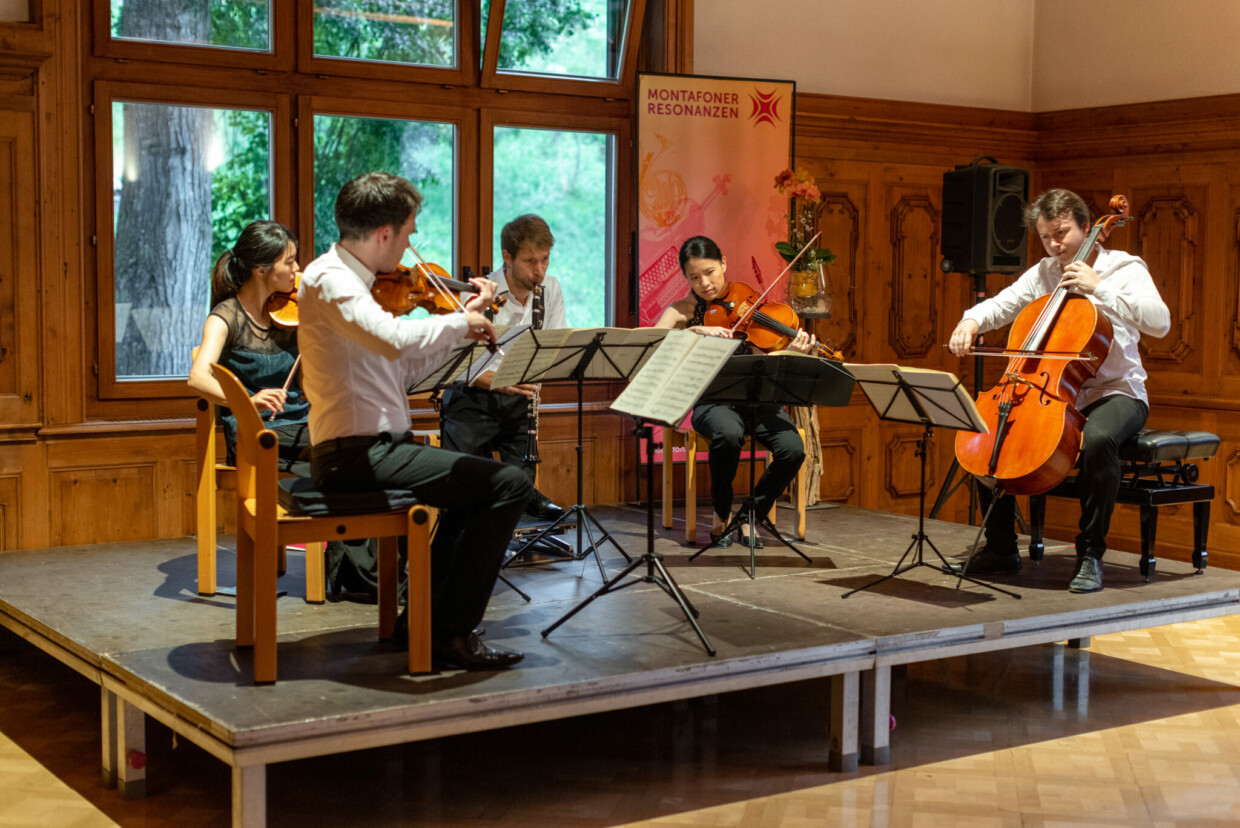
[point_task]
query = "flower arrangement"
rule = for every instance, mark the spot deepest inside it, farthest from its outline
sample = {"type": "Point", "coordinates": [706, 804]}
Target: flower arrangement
{"type": "Point", "coordinates": [800, 187]}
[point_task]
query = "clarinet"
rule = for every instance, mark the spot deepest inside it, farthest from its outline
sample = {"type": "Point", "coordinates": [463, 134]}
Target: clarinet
{"type": "Point", "coordinates": [531, 421]}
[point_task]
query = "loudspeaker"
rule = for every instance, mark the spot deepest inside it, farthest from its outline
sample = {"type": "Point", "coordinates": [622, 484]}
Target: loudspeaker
{"type": "Point", "coordinates": [983, 219]}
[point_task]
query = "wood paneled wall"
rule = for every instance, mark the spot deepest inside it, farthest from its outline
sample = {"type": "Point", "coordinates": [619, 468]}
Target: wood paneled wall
{"type": "Point", "coordinates": [66, 478]}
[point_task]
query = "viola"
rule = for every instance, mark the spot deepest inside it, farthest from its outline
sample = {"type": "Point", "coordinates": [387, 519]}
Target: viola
{"type": "Point", "coordinates": [767, 326]}
{"type": "Point", "coordinates": [282, 307]}
{"type": "Point", "coordinates": [1056, 344]}
{"type": "Point", "coordinates": [426, 286]}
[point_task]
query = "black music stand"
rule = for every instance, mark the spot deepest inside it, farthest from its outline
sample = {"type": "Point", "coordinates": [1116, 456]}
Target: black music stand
{"type": "Point", "coordinates": [656, 572]}
{"type": "Point", "coordinates": [928, 398]}
{"type": "Point", "coordinates": [600, 354]}
{"type": "Point", "coordinates": [752, 381]}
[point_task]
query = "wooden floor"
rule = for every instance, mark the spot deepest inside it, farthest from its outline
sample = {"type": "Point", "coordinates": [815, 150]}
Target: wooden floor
{"type": "Point", "coordinates": [1143, 729]}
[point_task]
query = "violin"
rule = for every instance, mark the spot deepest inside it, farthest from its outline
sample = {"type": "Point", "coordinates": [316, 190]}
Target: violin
{"type": "Point", "coordinates": [767, 326]}
{"type": "Point", "coordinates": [1056, 344]}
{"type": "Point", "coordinates": [282, 307]}
{"type": "Point", "coordinates": [426, 286]}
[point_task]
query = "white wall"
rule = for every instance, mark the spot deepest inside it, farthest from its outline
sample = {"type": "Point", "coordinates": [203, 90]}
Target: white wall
{"type": "Point", "coordinates": [966, 52]}
{"type": "Point", "coordinates": [1107, 53]}
{"type": "Point", "coordinates": [1024, 55]}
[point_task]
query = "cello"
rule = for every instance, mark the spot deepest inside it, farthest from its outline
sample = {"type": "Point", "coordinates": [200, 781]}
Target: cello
{"type": "Point", "coordinates": [1056, 343]}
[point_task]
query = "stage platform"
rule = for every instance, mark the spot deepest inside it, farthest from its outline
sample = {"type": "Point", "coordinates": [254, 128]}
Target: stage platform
{"type": "Point", "coordinates": [128, 617]}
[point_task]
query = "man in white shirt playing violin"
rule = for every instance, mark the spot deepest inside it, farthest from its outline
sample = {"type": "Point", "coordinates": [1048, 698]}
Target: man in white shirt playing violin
{"type": "Point", "coordinates": [357, 361]}
{"type": "Point", "coordinates": [1114, 401]}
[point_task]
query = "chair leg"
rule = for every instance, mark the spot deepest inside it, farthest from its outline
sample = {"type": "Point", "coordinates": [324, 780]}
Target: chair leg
{"type": "Point", "coordinates": [1201, 531]}
{"type": "Point", "coordinates": [245, 589]}
{"type": "Point", "coordinates": [669, 469]}
{"type": "Point", "coordinates": [1149, 531]}
{"type": "Point", "coordinates": [800, 484]}
{"type": "Point", "coordinates": [266, 550]}
{"type": "Point", "coordinates": [282, 560]}
{"type": "Point", "coordinates": [691, 447]}
{"type": "Point", "coordinates": [316, 573]}
{"type": "Point", "coordinates": [419, 597]}
{"type": "Point", "coordinates": [389, 549]}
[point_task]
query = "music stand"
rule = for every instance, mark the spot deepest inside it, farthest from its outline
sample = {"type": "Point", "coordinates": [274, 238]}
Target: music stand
{"type": "Point", "coordinates": [930, 399]}
{"type": "Point", "coordinates": [752, 381]}
{"type": "Point", "coordinates": [568, 355]}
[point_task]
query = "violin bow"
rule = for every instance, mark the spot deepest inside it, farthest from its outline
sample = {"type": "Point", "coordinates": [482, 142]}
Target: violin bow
{"type": "Point", "coordinates": [460, 306]}
{"type": "Point", "coordinates": [291, 372]}
{"type": "Point", "coordinates": [775, 281]}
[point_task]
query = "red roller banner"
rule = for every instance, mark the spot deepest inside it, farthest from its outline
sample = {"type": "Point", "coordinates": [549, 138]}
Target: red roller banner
{"type": "Point", "coordinates": [708, 153]}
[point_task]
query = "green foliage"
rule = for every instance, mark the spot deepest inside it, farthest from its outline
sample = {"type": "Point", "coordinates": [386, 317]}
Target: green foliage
{"type": "Point", "coordinates": [378, 30]}
{"type": "Point", "coordinates": [241, 184]}
{"type": "Point", "coordinates": [236, 24]}
{"type": "Point", "coordinates": [562, 176]}
{"type": "Point", "coordinates": [812, 258]}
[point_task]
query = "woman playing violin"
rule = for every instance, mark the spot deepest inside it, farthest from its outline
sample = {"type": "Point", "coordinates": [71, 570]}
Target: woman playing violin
{"type": "Point", "coordinates": [705, 268]}
{"type": "Point", "coordinates": [1114, 401]}
{"type": "Point", "coordinates": [240, 335]}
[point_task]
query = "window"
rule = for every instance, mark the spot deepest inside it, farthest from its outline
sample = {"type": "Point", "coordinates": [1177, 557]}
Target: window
{"type": "Point", "coordinates": [568, 179]}
{"type": "Point", "coordinates": [214, 115]}
{"type": "Point", "coordinates": [233, 24]}
{"type": "Point", "coordinates": [421, 151]}
{"type": "Point", "coordinates": [185, 181]}
{"type": "Point", "coordinates": [419, 32]}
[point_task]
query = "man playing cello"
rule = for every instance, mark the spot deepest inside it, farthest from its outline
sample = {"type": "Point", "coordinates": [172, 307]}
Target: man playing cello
{"type": "Point", "coordinates": [1114, 401]}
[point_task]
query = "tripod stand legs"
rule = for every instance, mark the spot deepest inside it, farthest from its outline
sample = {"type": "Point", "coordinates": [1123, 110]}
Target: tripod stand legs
{"type": "Point", "coordinates": [747, 514]}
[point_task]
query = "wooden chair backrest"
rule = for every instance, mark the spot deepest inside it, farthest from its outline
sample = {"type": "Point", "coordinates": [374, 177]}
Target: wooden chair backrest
{"type": "Point", "coordinates": [257, 446]}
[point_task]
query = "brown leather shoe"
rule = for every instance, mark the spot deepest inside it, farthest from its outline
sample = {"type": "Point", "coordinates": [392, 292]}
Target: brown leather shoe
{"type": "Point", "coordinates": [472, 653]}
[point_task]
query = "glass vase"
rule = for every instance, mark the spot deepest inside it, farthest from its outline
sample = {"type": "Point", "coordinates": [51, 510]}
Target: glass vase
{"type": "Point", "coordinates": [809, 292]}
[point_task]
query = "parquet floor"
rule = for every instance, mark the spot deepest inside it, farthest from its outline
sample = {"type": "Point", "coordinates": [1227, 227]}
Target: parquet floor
{"type": "Point", "coordinates": [1143, 729]}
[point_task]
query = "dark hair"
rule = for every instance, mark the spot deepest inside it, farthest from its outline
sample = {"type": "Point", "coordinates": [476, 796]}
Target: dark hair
{"type": "Point", "coordinates": [527, 228]}
{"type": "Point", "coordinates": [699, 247]}
{"type": "Point", "coordinates": [1055, 203]}
{"type": "Point", "coordinates": [261, 244]}
{"type": "Point", "coordinates": [374, 200]}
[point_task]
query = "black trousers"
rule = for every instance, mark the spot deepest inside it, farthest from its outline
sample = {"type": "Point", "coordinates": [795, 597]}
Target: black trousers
{"type": "Point", "coordinates": [481, 501]}
{"type": "Point", "coordinates": [1110, 421]}
{"type": "Point", "coordinates": [478, 421]}
{"type": "Point", "coordinates": [724, 426]}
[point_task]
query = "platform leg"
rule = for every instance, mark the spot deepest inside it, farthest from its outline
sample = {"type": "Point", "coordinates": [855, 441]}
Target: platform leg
{"type": "Point", "coordinates": [876, 716]}
{"type": "Point", "coordinates": [1201, 530]}
{"type": "Point", "coordinates": [845, 711]}
{"type": "Point", "coordinates": [249, 796]}
{"type": "Point", "coordinates": [1037, 524]}
{"type": "Point", "coordinates": [1149, 531]}
{"type": "Point", "coordinates": [131, 751]}
{"type": "Point", "coordinates": [108, 715]}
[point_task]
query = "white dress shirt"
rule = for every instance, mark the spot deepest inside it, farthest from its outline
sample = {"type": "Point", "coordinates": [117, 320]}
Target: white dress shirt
{"type": "Point", "coordinates": [513, 313]}
{"type": "Point", "coordinates": [1126, 295]}
{"type": "Point", "coordinates": [358, 359]}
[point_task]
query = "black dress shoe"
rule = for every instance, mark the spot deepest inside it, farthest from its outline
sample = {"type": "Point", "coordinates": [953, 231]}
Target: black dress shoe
{"type": "Point", "coordinates": [472, 653]}
{"type": "Point", "coordinates": [743, 539]}
{"type": "Point", "coordinates": [720, 541]}
{"type": "Point", "coordinates": [1088, 576]}
{"type": "Point", "coordinates": [543, 510]}
{"type": "Point", "coordinates": [988, 562]}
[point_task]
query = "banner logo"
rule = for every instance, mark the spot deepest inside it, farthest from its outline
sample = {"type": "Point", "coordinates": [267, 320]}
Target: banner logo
{"type": "Point", "coordinates": [765, 107]}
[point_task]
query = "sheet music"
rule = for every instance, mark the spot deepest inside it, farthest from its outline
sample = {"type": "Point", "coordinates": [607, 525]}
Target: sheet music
{"type": "Point", "coordinates": [539, 356]}
{"type": "Point", "coordinates": [674, 377]}
{"type": "Point", "coordinates": [939, 393]}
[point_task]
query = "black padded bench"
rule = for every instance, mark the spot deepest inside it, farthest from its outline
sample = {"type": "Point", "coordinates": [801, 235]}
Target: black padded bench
{"type": "Point", "coordinates": [1156, 472]}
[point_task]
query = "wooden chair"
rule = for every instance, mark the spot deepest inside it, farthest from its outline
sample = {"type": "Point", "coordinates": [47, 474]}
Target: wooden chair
{"type": "Point", "coordinates": [693, 443]}
{"type": "Point", "coordinates": [263, 524]}
{"type": "Point", "coordinates": [215, 477]}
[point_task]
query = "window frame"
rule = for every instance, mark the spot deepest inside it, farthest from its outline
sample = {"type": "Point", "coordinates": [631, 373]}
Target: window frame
{"type": "Point", "coordinates": [493, 78]}
{"type": "Point", "coordinates": [279, 59]}
{"type": "Point", "coordinates": [105, 94]}
{"type": "Point", "coordinates": [465, 196]}
{"type": "Point", "coordinates": [464, 74]}
{"type": "Point", "coordinates": [623, 209]}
